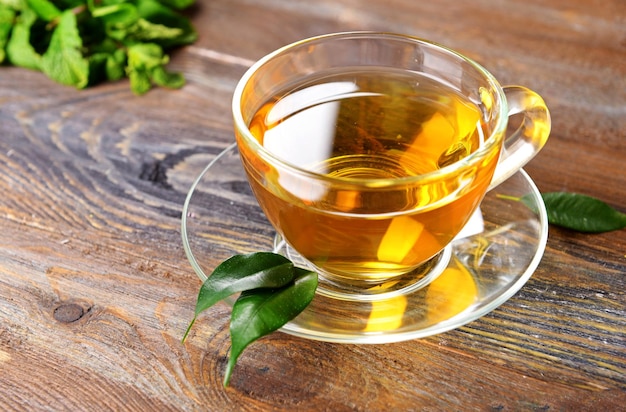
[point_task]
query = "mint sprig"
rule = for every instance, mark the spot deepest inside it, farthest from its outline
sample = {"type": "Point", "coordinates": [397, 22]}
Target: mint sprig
{"type": "Point", "coordinates": [273, 292]}
{"type": "Point", "coordinates": [63, 60]}
{"type": "Point", "coordinates": [84, 42]}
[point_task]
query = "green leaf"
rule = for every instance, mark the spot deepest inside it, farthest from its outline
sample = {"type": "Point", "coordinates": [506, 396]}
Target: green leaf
{"type": "Point", "coordinates": [19, 49]}
{"type": "Point", "coordinates": [107, 61]}
{"type": "Point", "coordinates": [69, 4]}
{"type": "Point", "coordinates": [7, 17]}
{"type": "Point", "coordinates": [244, 272]}
{"type": "Point", "coordinates": [146, 66]}
{"type": "Point", "coordinates": [123, 14]}
{"type": "Point", "coordinates": [63, 61]}
{"type": "Point", "coordinates": [145, 31]}
{"type": "Point", "coordinates": [139, 82]}
{"type": "Point", "coordinates": [115, 65]}
{"type": "Point", "coordinates": [107, 2]}
{"type": "Point", "coordinates": [257, 313]}
{"type": "Point", "coordinates": [177, 4]}
{"type": "Point", "coordinates": [13, 4]}
{"type": "Point", "coordinates": [145, 56]}
{"type": "Point", "coordinates": [44, 9]}
{"type": "Point", "coordinates": [162, 77]}
{"type": "Point", "coordinates": [160, 15]}
{"type": "Point", "coordinates": [240, 273]}
{"type": "Point", "coordinates": [97, 64]}
{"type": "Point", "coordinates": [582, 213]}
{"type": "Point", "coordinates": [142, 59]}
{"type": "Point", "coordinates": [70, 40]}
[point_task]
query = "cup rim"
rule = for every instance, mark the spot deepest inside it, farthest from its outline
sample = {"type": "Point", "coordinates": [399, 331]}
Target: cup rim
{"type": "Point", "coordinates": [465, 162]}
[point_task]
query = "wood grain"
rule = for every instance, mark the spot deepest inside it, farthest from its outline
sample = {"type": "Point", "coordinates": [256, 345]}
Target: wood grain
{"type": "Point", "coordinates": [96, 291]}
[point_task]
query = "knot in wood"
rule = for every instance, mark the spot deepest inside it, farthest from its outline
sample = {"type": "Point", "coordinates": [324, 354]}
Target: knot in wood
{"type": "Point", "coordinates": [68, 312]}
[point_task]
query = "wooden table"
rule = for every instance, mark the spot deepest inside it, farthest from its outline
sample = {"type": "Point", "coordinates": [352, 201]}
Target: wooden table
{"type": "Point", "coordinates": [96, 291]}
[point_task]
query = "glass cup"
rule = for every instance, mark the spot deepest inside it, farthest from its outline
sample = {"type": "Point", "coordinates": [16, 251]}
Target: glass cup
{"type": "Point", "coordinates": [369, 152]}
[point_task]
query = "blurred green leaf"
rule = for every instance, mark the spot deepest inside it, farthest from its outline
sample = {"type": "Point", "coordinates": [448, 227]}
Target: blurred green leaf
{"type": "Point", "coordinates": [84, 42]}
{"type": "Point", "coordinates": [16, 5]}
{"type": "Point", "coordinates": [142, 59]}
{"type": "Point", "coordinates": [44, 9]}
{"type": "Point", "coordinates": [156, 13]}
{"type": "Point", "coordinates": [118, 14]}
{"type": "Point", "coordinates": [7, 17]}
{"type": "Point", "coordinates": [161, 77]}
{"type": "Point", "coordinates": [115, 65]}
{"type": "Point", "coordinates": [177, 4]}
{"type": "Point", "coordinates": [145, 31]}
{"type": "Point", "coordinates": [19, 49]}
{"type": "Point", "coordinates": [63, 61]}
{"type": "Point", "coordinates": [139, 82]}
{"type": "Point", "coordinates": [146, 67]}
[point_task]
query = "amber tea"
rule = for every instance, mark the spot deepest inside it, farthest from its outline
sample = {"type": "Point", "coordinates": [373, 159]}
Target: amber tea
{"type": "Point", "coordinates": [362, 130]}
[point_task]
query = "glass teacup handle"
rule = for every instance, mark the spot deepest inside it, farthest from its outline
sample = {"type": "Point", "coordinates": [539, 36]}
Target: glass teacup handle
{"type": "Point", "coordinates": [524, 143]}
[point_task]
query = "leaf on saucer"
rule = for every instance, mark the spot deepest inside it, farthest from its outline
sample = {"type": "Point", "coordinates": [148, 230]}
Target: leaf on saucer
{"type": "Point", "coordinates": [257, 313]}
{"type": "Point", "coordinates": [240, 273]}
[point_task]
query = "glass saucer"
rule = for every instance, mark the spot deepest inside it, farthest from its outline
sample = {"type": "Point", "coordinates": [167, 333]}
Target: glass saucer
{"type": "Point", "coordinates": [490, 260]}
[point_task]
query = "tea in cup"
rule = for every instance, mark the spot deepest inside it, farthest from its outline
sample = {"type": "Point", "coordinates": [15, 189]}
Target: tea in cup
{"type": "Point", "coordinates": [369, 152]}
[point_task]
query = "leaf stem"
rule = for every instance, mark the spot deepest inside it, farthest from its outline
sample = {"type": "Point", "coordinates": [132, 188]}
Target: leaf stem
{"type": "Point", "coordinates": [188, 329]}
{"type": "Point", "coordinates": [75, 11]}
{"type": "Point", "coordinates": [508, 197]}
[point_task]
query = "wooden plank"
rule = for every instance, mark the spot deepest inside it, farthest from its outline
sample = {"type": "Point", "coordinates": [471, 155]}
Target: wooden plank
{"type": "Point", "coordinates": [96, 292]}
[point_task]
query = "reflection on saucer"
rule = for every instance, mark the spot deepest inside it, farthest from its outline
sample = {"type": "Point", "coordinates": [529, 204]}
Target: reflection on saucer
{"type": "Point", "coordinates": [386, 315]}
{"type": "Point", "coordinates": [451, 293]}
